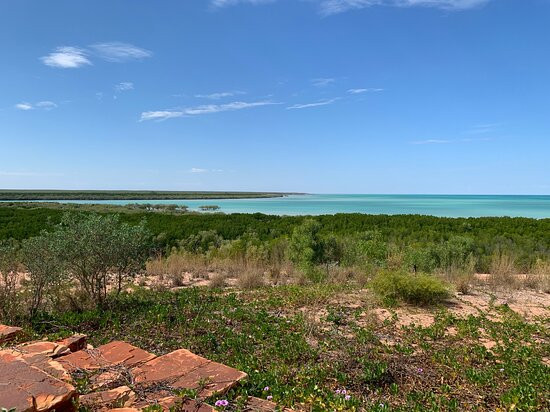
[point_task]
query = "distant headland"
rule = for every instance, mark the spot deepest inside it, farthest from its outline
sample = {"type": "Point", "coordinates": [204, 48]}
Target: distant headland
{"type": "Point", "coordinates": [15, 195]}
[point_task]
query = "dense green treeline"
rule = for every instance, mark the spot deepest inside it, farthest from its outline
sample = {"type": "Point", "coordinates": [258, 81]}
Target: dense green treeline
{"type": "Point", "coordinates": [525, 238]}
{"type": "Point", "coordinates": [20, 223]}
{"type": "Point", "coordinates": [125, 195]}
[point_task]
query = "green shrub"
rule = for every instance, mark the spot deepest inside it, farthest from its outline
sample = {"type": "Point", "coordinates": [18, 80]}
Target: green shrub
{"type": "Point", "coordinates": [418, 289]}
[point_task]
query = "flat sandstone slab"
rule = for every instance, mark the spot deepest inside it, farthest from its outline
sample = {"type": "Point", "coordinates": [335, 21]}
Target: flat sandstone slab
{"type": "Point", "coordinates": [260, 405]}
{"type": "Point", "coordinates": [43, 347]}
{"type": "Point", "coordinates": [121, 396]}
{"type": "Point", "coordinates": [40, 361]}
{"type": "Point", "coordinates": [185, 370]}
{"type": "Point", "coordinates": [9, 333]}
{"type": "Point", "coordinates": [29, 389]}
{"type": "Point", "coordinates": [75, 342]}
{"type": "Point", "coordinates": [112, 354]}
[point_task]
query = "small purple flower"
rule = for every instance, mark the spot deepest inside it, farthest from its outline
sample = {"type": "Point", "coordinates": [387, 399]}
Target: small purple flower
{"type": "Point", "coordinates": [420, 370]}
{"type": "Point", "coordinates": [343, 392]}
{"type": "Point", "coordinates": [337, 391]}
{"type": "Point", "coordinates": [266, 388]}
{"type": "Point", "coordinates": [347, 397]}
{"type": "Point", "coordinates": [222, 402]}
{"type": "Point", "coordinates": [269, 397]}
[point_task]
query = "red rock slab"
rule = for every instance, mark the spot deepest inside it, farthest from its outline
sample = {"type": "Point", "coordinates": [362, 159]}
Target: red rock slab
{"type": "Point", "coordinates": [111, 354]}
{"type": "Point", "coordinates": [261, 405]}
{"type": "Point", "coordinates": [74, 342]}
{"type": "Point", "coordinates": [29, 389]}
{"type": "Point", "coordinates": [9, 333]}
{"type": "Point", "coordinates": [106, 378]}
{"type": "Point", "coordinates": [122, 396]}
{"type": "Point", "coordinates": [183, 369]}
{"type": "Point", "coordinates": [210, 378]}
{"type": "Point", "coordinates": [169, 367]}
{"type": "Point", "coordinates": [42, 362]}
{"type": "Point", "coordinates": [50, 349]}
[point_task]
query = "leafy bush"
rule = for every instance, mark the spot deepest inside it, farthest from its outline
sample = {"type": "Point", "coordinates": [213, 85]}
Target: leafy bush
{"type": "Point", "coordinates": [9, 281]}
{"type": "Point", "coordinates": [418, 289]}
{"type": "Point", "coordinates": [101, 252]}
{"type": "Point", "coordinates": [40, 256]}
{"type": "Point", "coordinates": [305, 246]}
{"type": "Point", "coordinates": [422, 259]}
{"type": "Point", "coordinates": [368, 249]}
{"type": "Point", "coordinates": [202, 242]}
{"type": "Point", "coordinates": [454, 253]}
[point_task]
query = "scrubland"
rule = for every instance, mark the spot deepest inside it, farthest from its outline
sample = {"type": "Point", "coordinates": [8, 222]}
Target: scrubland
{"type": "Point", "coordinates": [331, 313]}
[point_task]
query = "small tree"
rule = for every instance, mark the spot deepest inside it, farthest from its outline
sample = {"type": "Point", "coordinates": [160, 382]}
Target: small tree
{"type": "Point", "coordinates": [202, 242]}
{"type": "Point", "coordinates": [332, 251]}
{"type": "Point", "coordinates": [96, 249]}
{"type": "Point", "coordinates": [306, 247]}
{"type": "Point", "coordinates": [9, 281]}
{"type": "Point", "coordinates": [40, 256]}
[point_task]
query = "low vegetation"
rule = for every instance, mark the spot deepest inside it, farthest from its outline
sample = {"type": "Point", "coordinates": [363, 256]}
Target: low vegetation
{"type": "Point", "coordinates": [310, 352]}
{"type": "Point", "coordinates": [417, 289]}
{"type": "Point", "coordinates": [310, 308]}
{"type": "Point", "coordinates": [125, 195]}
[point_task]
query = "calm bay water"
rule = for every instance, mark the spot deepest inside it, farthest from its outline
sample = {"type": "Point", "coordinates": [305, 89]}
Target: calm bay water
{"type": "Point", "coordinates": [437, 205]}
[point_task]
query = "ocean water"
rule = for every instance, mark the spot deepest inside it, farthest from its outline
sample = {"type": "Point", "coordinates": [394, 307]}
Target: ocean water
{"type": "Point", "coordinates": [436, 205]}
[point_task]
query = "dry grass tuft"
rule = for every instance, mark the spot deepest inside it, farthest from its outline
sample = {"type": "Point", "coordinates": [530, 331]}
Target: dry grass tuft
{"type": "Point", "coordinates": [250, 279]}
{"type": "Point", "coordinates": [217, 280]}
{"type": "Point", "coordinates": [503, 272]}
{"type": "Point", "coordinates": [463, 283]}
{"type": "Point", "coordinates": [542, 270]}
{"type": "Point", "coordinates": [176, 279]}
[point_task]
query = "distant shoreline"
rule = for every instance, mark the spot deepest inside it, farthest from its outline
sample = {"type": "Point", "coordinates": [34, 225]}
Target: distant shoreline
{"type": "Point", "coordinates": [52, 195]}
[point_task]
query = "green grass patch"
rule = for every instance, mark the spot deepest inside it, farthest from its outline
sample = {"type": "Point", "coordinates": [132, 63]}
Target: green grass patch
{"type": "Point", "coordinates": [417, 289]}
{"type": "Point", "coordinates": [268, 334]}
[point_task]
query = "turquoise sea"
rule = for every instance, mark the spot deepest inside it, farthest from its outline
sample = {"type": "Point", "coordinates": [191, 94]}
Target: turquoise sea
{"type": "Point", "coordinates": [436, 205]}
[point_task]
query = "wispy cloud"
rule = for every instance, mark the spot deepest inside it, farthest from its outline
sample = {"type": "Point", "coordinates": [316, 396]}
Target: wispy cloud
{"type": "Point", "coordinates": [198, 170]}
{"type": "Point", "coordinates": [66, 58]}
{"type": "Point", "coordinates": [70, 57]}
{"type": "Point", "coordinates": [201, 170]}
{"type": "Point", "coordinates": [124, 86]}
{"type": "Point", "coordinates": [483, 128]}
{"type": "Point", "coordinates": [448, 141]}
{"type": "Point", "coordinates": [161, 115]}
{"type": "Point", "coordinates": [24, 106]}
{"type": "Point", "coordinates": [203, 109]}
{"type": "Point", "coordinates": [322, 81]}
{"type": "Point", "coordinates": [219, 95]}
{"type": "Point", "coordinates": [330, 7]}
{"type": "Point", "coordinates": [119, 52]}
{"type": "Point", "coordinates": [368, 90]}
{"type": "Point", "coordinates": [225, 3]}
{"type": "Point", "coordinates": [44, 105]}
{"type": "Point", "coordinates": [432, 141]}
{"type": "Point", "coordinates": [314, 104]}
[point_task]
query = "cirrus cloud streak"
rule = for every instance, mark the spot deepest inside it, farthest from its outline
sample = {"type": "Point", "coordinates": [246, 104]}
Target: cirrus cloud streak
{"type": "Point", "coordinates": [203, 109]}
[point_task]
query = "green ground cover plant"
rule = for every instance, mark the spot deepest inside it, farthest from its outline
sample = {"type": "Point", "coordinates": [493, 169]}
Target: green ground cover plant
{"type": "Point", "coordinates": [316, 365]}
{"type": "Point", "coordinates": [419, 289]}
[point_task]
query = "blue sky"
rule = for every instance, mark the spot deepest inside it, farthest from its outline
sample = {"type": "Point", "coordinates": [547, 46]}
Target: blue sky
{"type": "Point", "coordinates": [320, 96]}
